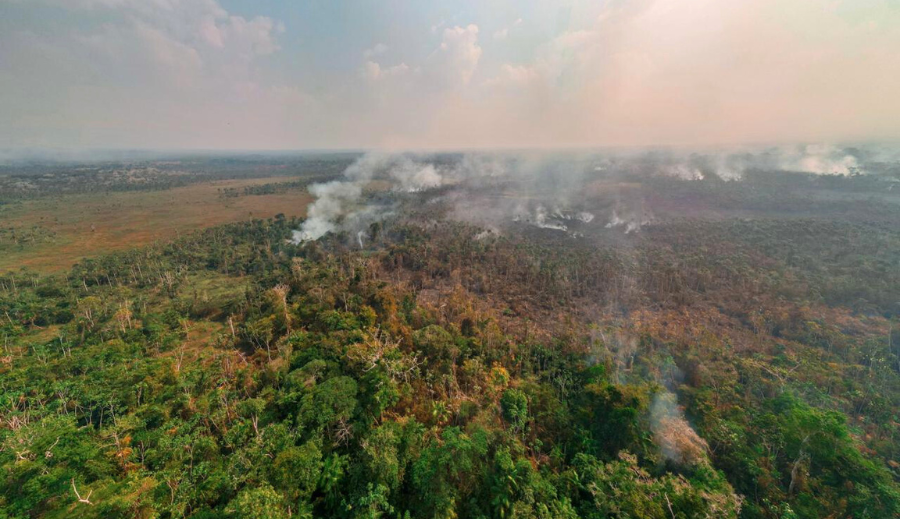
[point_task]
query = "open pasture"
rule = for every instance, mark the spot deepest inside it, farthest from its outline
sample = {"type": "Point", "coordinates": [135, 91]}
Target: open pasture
{"type": "Point", "coordinates": [52, 234]}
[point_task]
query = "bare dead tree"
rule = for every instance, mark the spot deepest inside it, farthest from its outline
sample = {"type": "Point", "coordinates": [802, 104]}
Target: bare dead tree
{"type": "Point", "coordinates": [280, 293]}
{"type": "Point", "coordinates": [86, 499]}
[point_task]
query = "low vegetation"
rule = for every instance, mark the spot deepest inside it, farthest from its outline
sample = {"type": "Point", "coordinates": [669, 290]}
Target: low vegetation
{"type": "Point", "coordinates": [51, 234]}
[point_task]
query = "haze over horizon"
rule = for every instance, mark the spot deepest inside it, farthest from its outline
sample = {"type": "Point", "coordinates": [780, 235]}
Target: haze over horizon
{"type": "Point", "coordinates": [272, 74]}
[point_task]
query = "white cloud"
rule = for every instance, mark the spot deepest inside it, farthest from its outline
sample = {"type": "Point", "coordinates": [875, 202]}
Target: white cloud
{"type": "Point", "coordinates": [156, 73]}
{"type": "Point", "coordinates": [200, 24]}
{"type": "Point", "coordinates": [701, 72]}
{"type": "Point", "coordinates": [515, 76]}
{"type": "Point", "coordinates": [448, 68]}
{"type": "Point", "coordinates": [191, 73]}
{"type": "Point", "coordinates": [520, 74]}
{"type": "Point", "coordinates": [376, 50]}
{"type": "Point", "coordinates": [503, 33]}
{"type": "Point", "coordinates": [455, 61]}
{"type": "Point", "coordinates": [373, 71]}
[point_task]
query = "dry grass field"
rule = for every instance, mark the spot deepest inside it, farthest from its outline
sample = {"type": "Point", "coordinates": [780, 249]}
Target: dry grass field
{"type": "Point", "coordinates": [81, 226]}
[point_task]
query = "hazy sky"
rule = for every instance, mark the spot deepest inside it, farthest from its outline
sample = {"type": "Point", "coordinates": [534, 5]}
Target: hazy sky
{"type": "Point", "coordinates": [301, 74]}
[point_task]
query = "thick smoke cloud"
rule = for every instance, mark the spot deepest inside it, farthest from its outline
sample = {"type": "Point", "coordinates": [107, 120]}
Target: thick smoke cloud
{"type": "Point", "coordinates": [549, 189]}
{"type": "Point", "coordinates": [817, 159]}
{"type": "Point", "coordinates": [332, 200]}
{"type": "Point", "coordinates": [337, 204]}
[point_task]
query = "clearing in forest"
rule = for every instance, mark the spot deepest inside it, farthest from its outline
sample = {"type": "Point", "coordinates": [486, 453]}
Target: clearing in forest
{"type": "Point", "coordinates": [54, 233]}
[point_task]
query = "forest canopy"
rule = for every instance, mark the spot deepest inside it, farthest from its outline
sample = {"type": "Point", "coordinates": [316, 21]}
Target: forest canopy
{"type": "Point", "coordinates": [441, 360]}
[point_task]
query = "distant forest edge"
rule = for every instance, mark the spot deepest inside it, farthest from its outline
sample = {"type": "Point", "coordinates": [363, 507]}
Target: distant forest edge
{"type": "Point", "coordinates": [35, 180]}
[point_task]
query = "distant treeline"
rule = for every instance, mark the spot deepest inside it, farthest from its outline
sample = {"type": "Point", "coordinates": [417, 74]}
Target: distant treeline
{"type": "Point", "coordinates": [273, 187]}
{"type": "Point", "coordinates": [22, 182]}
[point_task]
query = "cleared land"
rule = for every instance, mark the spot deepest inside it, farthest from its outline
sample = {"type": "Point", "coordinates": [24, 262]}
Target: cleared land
{"type": "Point", "coordinates": [55, 233]}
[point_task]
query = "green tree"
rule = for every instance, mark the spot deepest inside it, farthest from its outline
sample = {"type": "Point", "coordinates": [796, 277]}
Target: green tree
{"type": "Point", "coordinates": [296, 470]}
{"type": "Point", "coordinates": [514, 404]}
{"type": "Point", "coordinates": [262, 502]}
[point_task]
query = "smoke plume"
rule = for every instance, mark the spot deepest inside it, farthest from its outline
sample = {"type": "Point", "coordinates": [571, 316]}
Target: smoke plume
{"type": "Point", "coordinates": [817, 159]}
{"type": "Point", "coordinates": [673, 434]}
{"type": "Point", "coordinates": [337, 204]}
{"type": "Point", "coordinates": [554, 191]}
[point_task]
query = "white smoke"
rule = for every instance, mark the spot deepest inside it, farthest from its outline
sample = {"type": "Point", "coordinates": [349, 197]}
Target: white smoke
{"type": "Point", "coordinates": [615, 221]}
{"type": "Point", "coordinates": [332, 201]}
{"type": "Point", "coordinates": [555, 220]}
{"type": "Point", "coordinates": [335, 207]}
{"type": "Point", "coordinates": [683, 171]}
{"type": "Point", "coordinates": [631, 220]}
{"type": "Point", "coordinates": [733, 164]}
{"type": "Point", "coordinates": [541, 220]}
{"type": "Point", "coordinates": [486, 166]}
{"type": "Point", "coordinates": [819, 159]}
{"type": "Point", "coordinates": [547, 190]}
{"type": "Point", "coordinates": [412, 177]}
{"type": "Point", "coordinates": [585, 217]}
{"type": "Point", "coordinates": [487, 233]}
{"type": "Point", "coordinates": [551, 183]}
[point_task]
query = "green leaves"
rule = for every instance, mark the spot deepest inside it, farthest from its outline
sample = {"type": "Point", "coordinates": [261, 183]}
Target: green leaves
{"type": "Point", "coordinates": [515, 409]}
{"type": "Point", "coordinates": [258, 503]}
{"type": "Point", "coordinates": [296, 470]}
{"type": "Point", "coordinates": [329, 403]}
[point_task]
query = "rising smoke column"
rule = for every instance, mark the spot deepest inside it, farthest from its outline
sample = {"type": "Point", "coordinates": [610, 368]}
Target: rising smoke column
{"type": "Point", "coordinates": [339, 200]}
{"type": "Point", "coordinates": [332, 201]}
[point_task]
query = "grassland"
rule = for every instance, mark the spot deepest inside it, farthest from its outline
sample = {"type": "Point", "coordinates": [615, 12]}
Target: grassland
{"type": "Point", "coordinates": [56, 232]}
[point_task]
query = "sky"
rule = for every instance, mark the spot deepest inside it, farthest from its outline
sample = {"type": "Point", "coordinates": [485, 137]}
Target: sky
{"type": "Point", "coordinates": [460, 74]}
